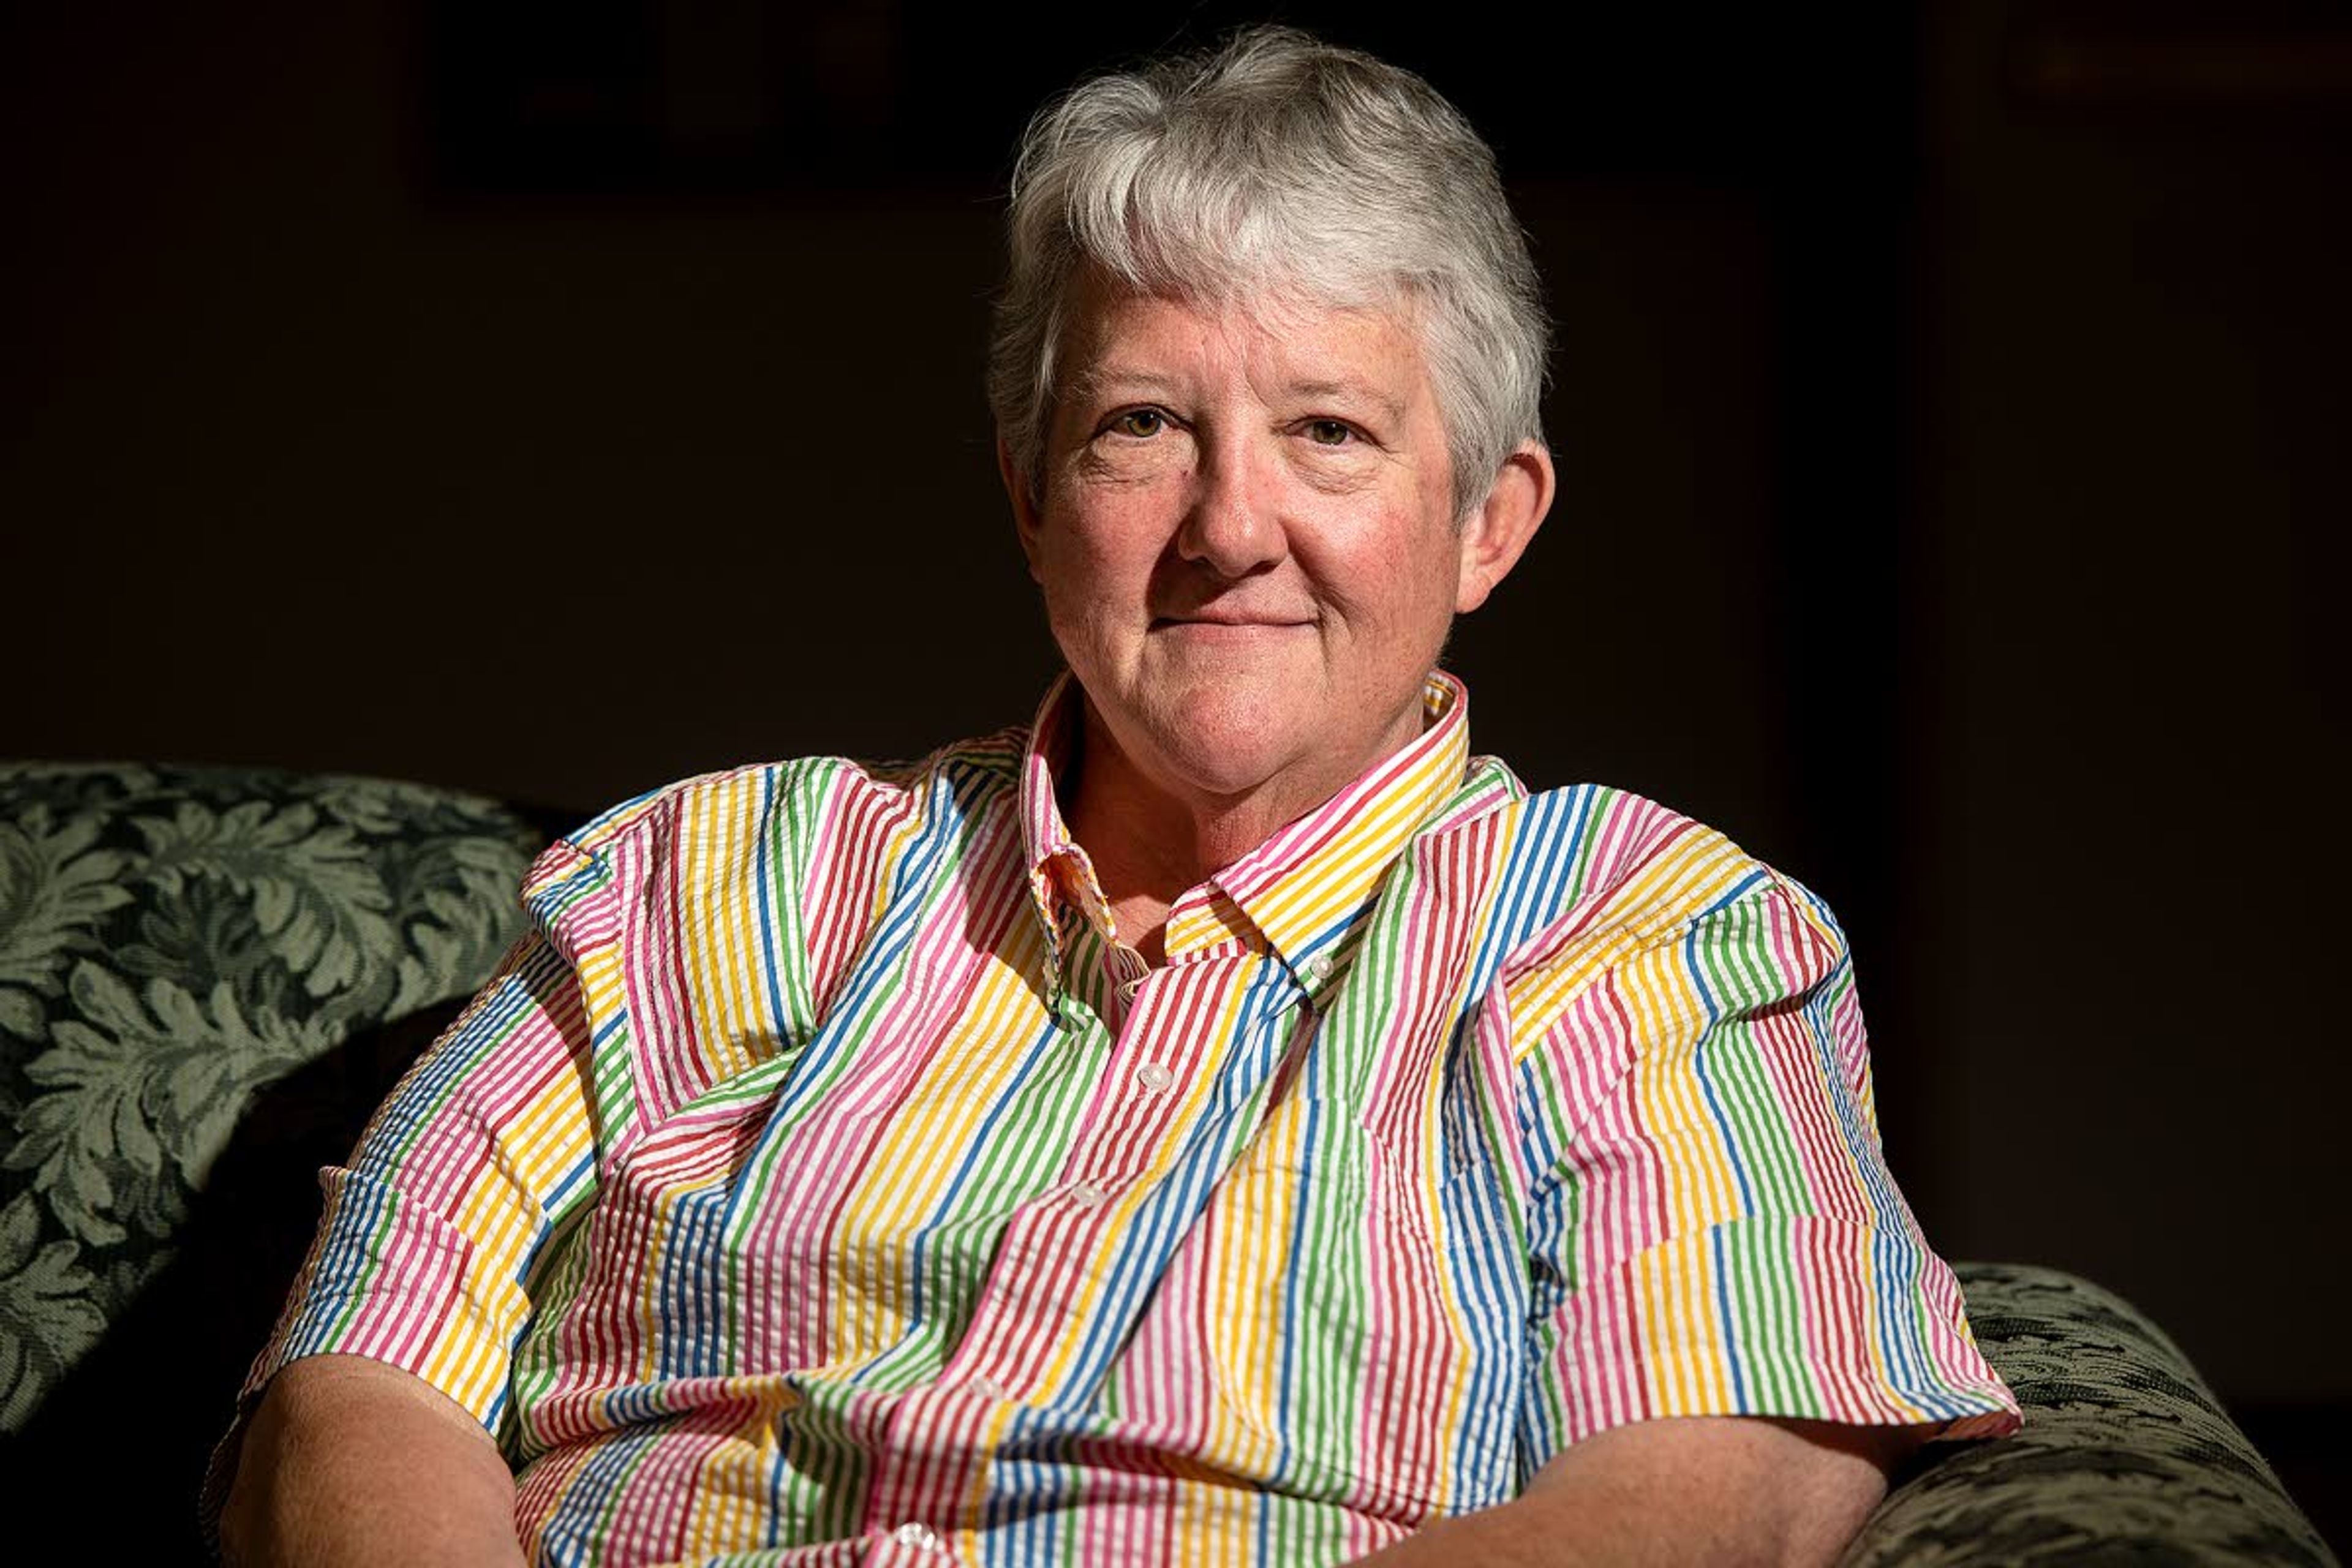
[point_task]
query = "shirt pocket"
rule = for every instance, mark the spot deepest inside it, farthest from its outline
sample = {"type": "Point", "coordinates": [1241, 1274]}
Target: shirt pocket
{"type": "Point", "coordinates": [1391, 1278]}
{"type": "Point", "coordinates": [1329, 1322]}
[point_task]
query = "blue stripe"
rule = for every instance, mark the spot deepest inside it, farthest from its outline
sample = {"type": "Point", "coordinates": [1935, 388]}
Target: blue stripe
{"type": "Point", "coordinates": [1284, 1391]}
{"type": "Point", "coordinates": [1699, 1059]}
{"type": "Point", "coordinates": [773, 820]}
{"type": "Point", "coordinates": [1730, 1336]}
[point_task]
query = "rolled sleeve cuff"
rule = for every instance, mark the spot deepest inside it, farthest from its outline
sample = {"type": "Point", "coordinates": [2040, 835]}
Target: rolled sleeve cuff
{"type": "Point", "coordinates": [444, 1321]}
{"type": "Point", "coordinates": [1806, 1319]}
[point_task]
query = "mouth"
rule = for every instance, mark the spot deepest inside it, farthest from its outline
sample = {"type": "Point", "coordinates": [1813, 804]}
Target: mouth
{"type": "Point", "coordinates": [1213, 622]}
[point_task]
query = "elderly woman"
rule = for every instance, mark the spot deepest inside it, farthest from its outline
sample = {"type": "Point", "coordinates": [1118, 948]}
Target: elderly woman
{"type": "Point", "coordinates": [1226, 1120]}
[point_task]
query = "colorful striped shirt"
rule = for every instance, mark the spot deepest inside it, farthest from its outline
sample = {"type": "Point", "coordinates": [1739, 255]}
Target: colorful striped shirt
{"type": "Point", "coordinates": [822, 1181]}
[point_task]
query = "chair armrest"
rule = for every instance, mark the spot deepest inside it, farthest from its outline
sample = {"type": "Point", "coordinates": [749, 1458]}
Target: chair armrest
{"type": "Point", "coordinates": [2126, 1455]}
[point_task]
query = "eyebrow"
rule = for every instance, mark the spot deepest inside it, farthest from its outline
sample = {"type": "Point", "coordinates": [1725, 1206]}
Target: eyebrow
{"type": "Point", "coordinates": [1091, 381]}
{"type": "Point", "coordinates": [1392, 407]}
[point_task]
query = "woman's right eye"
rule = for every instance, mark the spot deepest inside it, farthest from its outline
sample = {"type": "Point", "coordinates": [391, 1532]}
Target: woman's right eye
{"type": "Point", "coordinates": [1140, 422]}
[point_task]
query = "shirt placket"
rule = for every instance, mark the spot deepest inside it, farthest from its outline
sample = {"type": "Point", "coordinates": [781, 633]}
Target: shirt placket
{"type": "Point", "coordinates": [1068, 1273]}
{"type": "Point", "coordinates": [1074, 1268]}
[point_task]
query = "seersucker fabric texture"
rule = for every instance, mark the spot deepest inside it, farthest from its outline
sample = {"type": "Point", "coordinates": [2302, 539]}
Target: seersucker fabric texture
{"type": "Point", "coordinates": [821, 1178]}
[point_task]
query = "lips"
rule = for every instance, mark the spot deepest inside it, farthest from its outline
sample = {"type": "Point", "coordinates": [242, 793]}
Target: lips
{"type": "Point", "coordinates": [1228, 619]}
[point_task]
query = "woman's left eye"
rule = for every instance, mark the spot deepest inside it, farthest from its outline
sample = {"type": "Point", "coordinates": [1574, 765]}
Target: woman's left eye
{"type": "Point", "coordinates": [1329, 432]}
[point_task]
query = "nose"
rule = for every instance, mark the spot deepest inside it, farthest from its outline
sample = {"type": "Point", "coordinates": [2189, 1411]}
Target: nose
{"type": "Point", "coordinates": [1234, 526]}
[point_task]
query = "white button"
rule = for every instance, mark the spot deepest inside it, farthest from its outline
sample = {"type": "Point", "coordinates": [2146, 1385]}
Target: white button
{"type": "Point", "coordinates": [918, 1536]}
{"type": "Point", "coordinates": [1086, 1196]}
{"type": "Point", "coordinates": [1154, 1077]}
{"type": "Point", "coordinates": [1319, 966]}
{"type": "Point", "coordinates": [989, 1388]}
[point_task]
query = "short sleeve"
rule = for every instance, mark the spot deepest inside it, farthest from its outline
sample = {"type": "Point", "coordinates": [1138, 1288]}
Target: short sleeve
{"type": "Point", "coordinates": [426, 1254]}
{"type": "Point", "coordinates": [1712, 1229]}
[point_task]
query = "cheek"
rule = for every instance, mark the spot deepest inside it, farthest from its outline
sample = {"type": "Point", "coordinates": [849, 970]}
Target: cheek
{"type": "Point", "coordinates": [1081, 576]}
{"type": "Point", "coordinates": [1394, 575]}
{"type": "Point", "coordinates": [1091, 588]}
{"type": "Point", "coordinates": [1106, 547]}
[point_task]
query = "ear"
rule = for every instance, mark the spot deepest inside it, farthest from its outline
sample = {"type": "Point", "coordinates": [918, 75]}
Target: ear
{"type": "Point", "coordinates": [1498, 532]}
{"type": "Point", "coordinates": [1026, 522]}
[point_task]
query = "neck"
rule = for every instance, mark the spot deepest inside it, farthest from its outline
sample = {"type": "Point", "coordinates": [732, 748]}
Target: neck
{"type": "Point", "coordinates": [1150, 843]}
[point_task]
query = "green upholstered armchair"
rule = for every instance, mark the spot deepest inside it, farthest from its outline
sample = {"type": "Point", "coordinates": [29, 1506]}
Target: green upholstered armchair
{"type": "Point", "coordinates": [209, 977]}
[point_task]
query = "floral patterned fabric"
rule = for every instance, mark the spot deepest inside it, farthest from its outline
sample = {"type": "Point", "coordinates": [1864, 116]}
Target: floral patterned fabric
{"type": "Point", "coordinates": [208, 978]}
{"type": "Point", "coordinates": [170, 941]}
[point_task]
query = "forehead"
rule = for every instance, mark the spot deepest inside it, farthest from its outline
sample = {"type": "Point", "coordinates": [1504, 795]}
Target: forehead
{"type": "Point", "coordinates": [1277, 339]}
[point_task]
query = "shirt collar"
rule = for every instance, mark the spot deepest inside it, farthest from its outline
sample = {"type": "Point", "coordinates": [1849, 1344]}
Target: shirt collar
{"type": "Point", "coordinates": [1058, 868]}
{"type": "Point", "coordinates": [1304, 888]}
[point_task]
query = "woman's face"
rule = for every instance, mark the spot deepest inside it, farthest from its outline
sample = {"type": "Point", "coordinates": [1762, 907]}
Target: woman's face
{"type": "Point", "coordinates": [1245, 537]}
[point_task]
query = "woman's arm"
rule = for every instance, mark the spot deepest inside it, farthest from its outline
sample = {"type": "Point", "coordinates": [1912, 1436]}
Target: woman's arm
{"type": "Point", "coordinates": [425, 1259]}
{"type": "Point", "coordinates": [1729, 1490]}
{"type": "Point", "coordinates": [349, 1463]}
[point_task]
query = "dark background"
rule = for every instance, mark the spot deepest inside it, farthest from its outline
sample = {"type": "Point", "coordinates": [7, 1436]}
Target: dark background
{"type": "Point", "coordinates": [557, 399]}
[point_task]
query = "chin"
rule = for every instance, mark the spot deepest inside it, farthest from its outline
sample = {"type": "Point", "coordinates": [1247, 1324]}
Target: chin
{"type": "Point", "coordinates": [1226, 739]}
{"type": "Point", "coordinates": [1226, 773]}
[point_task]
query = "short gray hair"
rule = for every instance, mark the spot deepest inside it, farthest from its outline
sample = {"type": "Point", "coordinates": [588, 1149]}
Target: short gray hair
{"type": "Point", "coordinates": [1276, 163]}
